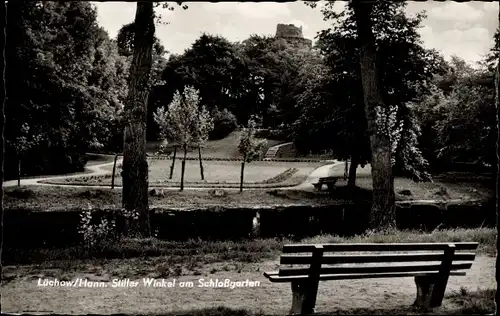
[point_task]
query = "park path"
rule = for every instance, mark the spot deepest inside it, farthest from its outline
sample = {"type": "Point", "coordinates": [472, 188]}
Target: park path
{"type": "Point", "coordinates": [93, 170]}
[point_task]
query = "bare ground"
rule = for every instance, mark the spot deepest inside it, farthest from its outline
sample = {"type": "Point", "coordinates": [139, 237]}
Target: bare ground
{"type": "Point", "coordinates": [21, 293]}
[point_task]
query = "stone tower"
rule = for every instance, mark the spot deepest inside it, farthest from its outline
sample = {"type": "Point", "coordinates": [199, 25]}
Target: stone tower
{"type": "Point", "coordinates": [292, 35]}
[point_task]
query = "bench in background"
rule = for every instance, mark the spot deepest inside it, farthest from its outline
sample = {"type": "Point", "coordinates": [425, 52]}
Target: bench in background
{"type": "Point", "coordinates": [329, 181]}
{"type": "Point", "coordinates": [431, 264]}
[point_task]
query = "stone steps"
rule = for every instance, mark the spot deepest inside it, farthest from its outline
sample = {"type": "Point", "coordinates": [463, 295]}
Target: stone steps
{"type": "Point", "coordinates": [271, 152]}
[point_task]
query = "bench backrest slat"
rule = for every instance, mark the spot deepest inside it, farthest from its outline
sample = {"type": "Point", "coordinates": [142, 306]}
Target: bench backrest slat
{"type": "Point", "coordinates": [373, 269]}
{"type": "Point", "coordinates": [328, 179]}
{"type": "Point", "coordinates": [372, 258]}
{"type": "Point", "coordinates": [299, 248]}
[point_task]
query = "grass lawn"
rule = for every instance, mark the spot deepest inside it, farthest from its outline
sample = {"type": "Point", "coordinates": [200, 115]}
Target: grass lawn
{"type": "Point", "coordinates": [215, 172]}
{"type": "Point", "coordinates": [237, 261]}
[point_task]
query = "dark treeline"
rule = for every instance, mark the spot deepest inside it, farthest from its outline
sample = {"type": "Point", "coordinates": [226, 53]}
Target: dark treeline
{"type": "Point", "coordinates": [67, 83]}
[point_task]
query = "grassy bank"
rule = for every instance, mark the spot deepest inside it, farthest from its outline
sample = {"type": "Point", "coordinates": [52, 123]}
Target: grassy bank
{"type": "Point", "coordinates": [47, 197]}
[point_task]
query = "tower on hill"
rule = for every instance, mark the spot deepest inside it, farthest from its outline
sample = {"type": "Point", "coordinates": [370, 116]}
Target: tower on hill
{"type": "Point", "coordinates": [292, 35]}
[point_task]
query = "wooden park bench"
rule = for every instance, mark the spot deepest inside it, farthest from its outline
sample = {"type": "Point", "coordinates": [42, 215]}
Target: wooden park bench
{"type": "Point", "coordinates": [304, 265]}
{"type": "Point", "coordinates": [329, 181]}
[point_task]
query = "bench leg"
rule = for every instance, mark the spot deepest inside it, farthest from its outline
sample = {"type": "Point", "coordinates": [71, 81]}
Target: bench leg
{"type": "Point", "coordinates": [303, 299]}
{"type": "Point", "coordinates": [331, 187]}
{"type": "Point", "coordinates": [430, 291]}
{"type": "Point", "coordinates": [425, 288]}
{"type": "Point", "coordinates": [439, 290]}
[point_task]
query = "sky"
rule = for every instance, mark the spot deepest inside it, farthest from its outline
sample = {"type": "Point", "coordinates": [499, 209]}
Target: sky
{"type": "Point", "coordinates": [463, 29]}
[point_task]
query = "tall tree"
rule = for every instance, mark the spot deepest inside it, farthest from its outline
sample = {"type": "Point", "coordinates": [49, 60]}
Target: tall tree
{"type": "Point", "coordinates": [332, 103]}
{"type": "Point", "coordinates": [497, 106]}
{"type": "Point", "coordinates": [135, 166]}
{"type": "Point", "coordinates": [383, 211]}
{"type": "Point", "coordinates": [125, 43]}
{"type": "Point", "coordinates": [2, 150]}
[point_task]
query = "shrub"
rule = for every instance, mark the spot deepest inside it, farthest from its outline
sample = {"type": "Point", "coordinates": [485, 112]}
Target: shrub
{"type": "Point", "coordinates": [20, 193]}
{"type": "Point", "coordinates": [224, 124]}
{"type": "Point", "coordinates": [95, 235]}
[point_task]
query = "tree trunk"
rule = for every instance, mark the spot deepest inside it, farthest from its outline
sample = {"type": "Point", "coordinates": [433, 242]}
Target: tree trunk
{"type": "Point", "coordinates": [183, 168]}
{"type": "Point", "coordinates": [383, 211]}
{"type": "Point", "coordinates": [351, 182]}
{"type": "Point", "coordinates": [19, 171]}
{"type": "Point", "coordinates": [114, 170]}
{"type": "Point", "coordinates": [241, 175]}
{"type": "Point", "coordinates": [497, 105]}
{"type": "Point", "coordinates": [135, 166]}
{"type": "Point", "coordinates": [173, 163]}
{"type": "Point", "coordinates": [2, 131]}
{"type": "Point", "coordinates": [346, 169]}
{"type": "Point", "coordinates": [201, 164]}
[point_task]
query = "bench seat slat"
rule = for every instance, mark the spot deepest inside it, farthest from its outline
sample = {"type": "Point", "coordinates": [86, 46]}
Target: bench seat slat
{"type": "Point", "coordinates": [379, 269]}
{"type": "Point", "coordinates": [298, 248]}
{"type": "Point", "coordinates": [334, 259]}
{"type": "Point", "coordinates": [274, 277]}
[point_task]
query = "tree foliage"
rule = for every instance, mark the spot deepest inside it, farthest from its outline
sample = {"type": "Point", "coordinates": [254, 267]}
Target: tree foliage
{"type": "Point", "coordinates": [258, 76]}
{"type": "Point", "coordinates": [210, 65]}
{"type": "Point", "coordinates": [458, 117]}
{"type": "Point", "coordinates": [184, 122]}
{"type": "Point", "coordinates": [64, 84]}
{"type": "Point", "coordinates": [275, 73]}
{"type": "Point", "coordinates": [249, 146]}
